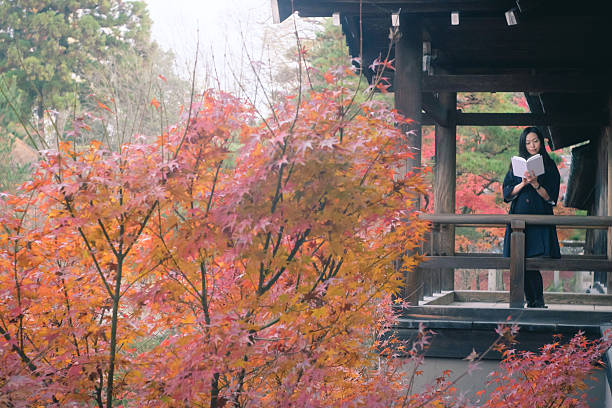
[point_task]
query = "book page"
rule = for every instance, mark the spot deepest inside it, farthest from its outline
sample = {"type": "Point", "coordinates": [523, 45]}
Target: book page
{"type": "Point", "coordinates": [519, 166]}
{"type": "Point", "coordinates": [536, 164]}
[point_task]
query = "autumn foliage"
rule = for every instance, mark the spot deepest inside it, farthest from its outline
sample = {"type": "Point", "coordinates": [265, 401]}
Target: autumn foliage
{"type": "Point", "coordinates": [233, 261]}
{"type": "Point", "coordinates": [555, 377]}
{"type": "Point", "coordinates": [236, 260]}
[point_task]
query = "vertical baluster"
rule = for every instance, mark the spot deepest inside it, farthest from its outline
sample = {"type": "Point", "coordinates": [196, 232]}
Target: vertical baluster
{"type": "Point", "coordinates": [431, 250]}
{"type": "Point", "coordinates": [517, 263]}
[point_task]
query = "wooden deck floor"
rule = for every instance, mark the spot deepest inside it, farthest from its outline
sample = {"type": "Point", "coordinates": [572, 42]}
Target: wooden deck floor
{"type": "Point", "coordinates": [500, 299]}
{"type": "Point", "coordinates": [551, 306]}
{"type": "Point", "coordinates": [466, 321]}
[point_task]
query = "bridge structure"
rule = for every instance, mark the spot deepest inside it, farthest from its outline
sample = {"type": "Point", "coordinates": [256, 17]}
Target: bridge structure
{"type": "Point", "coordinates": [558, 53]}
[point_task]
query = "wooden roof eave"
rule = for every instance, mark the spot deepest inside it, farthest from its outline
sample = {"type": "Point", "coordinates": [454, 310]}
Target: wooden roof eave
{"type": "Point", "coordinates": [325, 8]}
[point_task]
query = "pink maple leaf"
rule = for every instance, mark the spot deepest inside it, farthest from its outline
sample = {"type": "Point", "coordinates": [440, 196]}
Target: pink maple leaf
{"type": "Point", "coordinates": [329, 143]}
{"type": "Point", "coordinates": [303, 145]}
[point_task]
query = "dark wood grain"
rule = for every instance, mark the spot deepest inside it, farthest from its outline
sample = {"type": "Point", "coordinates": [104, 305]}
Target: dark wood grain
{"type": "Point", "coordinates": [515, 83]}
{"type": "Point", "coordinates": [517, 263]}
{"type": "Point", "coordinates": [556, 298]}
{"type": "Point", "coordinates": [602, 222]}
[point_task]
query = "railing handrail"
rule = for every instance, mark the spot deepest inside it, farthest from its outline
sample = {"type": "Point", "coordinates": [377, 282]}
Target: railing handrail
{"type": "Point", "coordinates": [517, 262]}
{"type": "Point", "coordinates": [578, 221]}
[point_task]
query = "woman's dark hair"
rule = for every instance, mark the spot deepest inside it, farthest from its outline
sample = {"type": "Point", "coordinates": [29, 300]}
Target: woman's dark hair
{"type": "Point", "coordinates": [523, 144]}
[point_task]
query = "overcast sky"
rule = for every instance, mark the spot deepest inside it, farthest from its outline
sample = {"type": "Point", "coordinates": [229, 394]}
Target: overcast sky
{"type": "Point", "coordinates": [226, 28]}
{"type": "Point", "coordinates": [222, 24]}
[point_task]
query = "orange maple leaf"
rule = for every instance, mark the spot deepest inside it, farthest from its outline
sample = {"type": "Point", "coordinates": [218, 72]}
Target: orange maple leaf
{"type": "Point", "coordinates": [103, 106]}
{"type": "Point", "coordinates": [155, 103]}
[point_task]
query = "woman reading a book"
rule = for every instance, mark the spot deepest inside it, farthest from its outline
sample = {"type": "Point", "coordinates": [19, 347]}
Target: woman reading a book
{"type": "Point", "coordinates": [531, 194]}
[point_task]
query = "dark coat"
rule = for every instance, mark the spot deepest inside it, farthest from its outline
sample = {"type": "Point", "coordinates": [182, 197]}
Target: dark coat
{"type": "Point", "coordinates": [540, 240]}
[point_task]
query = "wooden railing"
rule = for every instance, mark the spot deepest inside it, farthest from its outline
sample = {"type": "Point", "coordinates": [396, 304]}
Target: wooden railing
{"type": "Point", "coordinates": [516, 263]}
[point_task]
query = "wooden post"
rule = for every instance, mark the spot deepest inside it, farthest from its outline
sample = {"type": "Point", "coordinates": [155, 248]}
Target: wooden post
{"type": "Point", "coordinates": [492, 280]}
{"type": "Point", "coordinates": [408, 101]}
{"type": "Point", "coordinates": [431, 282]}
{"type": "Point", "coordinates": [517, 264]}
{"type": "Point", "coordinates": [408, 97]}
{"type": "Point", "coordinates": [445, 184]}
{"type": "Point", "coordinates": [609, 158]}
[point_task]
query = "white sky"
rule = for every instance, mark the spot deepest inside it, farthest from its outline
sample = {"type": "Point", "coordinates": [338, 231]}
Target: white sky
{"type": "Point", "coordinates": [226, 28]}
{"type": "Point", "coordinates": [221, 25]}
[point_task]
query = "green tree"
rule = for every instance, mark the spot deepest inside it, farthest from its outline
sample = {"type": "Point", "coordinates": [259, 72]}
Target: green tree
{"type": "Point", "coordinates": [14, 165]}
{"type": "Point", "coordinates": [51, 46]}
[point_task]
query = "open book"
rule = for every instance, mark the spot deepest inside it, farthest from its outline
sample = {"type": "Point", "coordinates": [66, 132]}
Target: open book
{"type": "Point", "coordinates": [534, 164]}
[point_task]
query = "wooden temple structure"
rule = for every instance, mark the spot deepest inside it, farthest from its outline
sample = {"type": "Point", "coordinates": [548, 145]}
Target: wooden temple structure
{"type": "Point", "coordinates": [559, 54]}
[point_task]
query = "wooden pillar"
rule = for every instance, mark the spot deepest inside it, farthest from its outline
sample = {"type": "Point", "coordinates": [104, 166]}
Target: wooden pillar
{"type": "Point", "coordinates": [427, 276]}
{"type": "Point", "coordinates": [430, 284]}
{"type": "Point", "coordinates": [408, 101]}
{"type": "Point", "coordinates": [608, 137]}
{"type": "Point", "coordinates": [407, 85]}
{"type": "Point", "coordinates": [517, 264]}
{"type": "Point", "coordinates": [445, 184]}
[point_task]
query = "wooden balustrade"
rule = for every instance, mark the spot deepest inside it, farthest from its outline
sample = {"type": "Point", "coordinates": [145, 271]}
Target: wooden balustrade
{"type": "Point", "coordinates": [516, 263]}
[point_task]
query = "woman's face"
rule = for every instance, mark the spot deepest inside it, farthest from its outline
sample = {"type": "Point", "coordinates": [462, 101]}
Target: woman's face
{"type": "Point", "coordinates": [532, 142]}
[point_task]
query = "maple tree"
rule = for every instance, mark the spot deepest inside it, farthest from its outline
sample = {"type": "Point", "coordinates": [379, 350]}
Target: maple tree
{"type": "Point", "coordinates": [257, 253]}
{"type": "Point", "coordinates": [240, 259]}
{"type": "Point", "coordinates": [555, 377]}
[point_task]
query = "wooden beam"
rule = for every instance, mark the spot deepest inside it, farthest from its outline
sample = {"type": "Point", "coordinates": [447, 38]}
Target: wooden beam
{"type": "Point", "coordinates": [583, 263]}
{"type": "Point", "coordinates": [564, 136]}
{"type": "Point", "coordinates": [492, 220]}
{"type": "Point", "coordinates": [516, 83]}
{"type": "Point", "coordinates": [562, 264]}
{"type": "Point", "coordinates": [438, 113]}
{"type": "Point", "coordinates": [325, 8]}
{"type": "Point", "coordinates": [322, 8]}
{"type": "Point", "coordinates": [408, 101]}
{"type": "Point", "coordinates": [465, 262]}
{"type": "Point", "coordinates": [435, 116]}
{"type": "Point", "coordinates": [531, 119]}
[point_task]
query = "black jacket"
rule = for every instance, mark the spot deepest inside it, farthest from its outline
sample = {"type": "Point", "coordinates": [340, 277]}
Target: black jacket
{"type": "Point", "coordinates": [540, 240]}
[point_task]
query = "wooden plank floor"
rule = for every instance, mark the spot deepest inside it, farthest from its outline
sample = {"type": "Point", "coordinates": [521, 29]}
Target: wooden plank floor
{"type": "Point", "coordinates": [551, 306]}
{"type": "Point", "coordinates": [500, 299]}
{"type": "Point", "coordinates": [461, 327]}
{"type": "Point", "coordinates": [471, 315]}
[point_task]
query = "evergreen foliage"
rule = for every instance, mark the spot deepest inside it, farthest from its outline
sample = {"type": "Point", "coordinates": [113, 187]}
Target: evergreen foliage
{"type": "Point", "coordinates": [49, 47]}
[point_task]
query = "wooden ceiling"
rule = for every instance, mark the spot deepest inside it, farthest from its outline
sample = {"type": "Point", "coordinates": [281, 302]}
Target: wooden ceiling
{"type": "Point", "coordinates": [559, 53]}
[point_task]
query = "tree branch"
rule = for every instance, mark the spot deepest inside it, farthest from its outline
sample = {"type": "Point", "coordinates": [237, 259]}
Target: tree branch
{"type": "Point", "coordinates": [142, 227]}
{"type": "Point", "coordinates": [298, 244]}
{"type": "Point", "coordinates": [110, 243]}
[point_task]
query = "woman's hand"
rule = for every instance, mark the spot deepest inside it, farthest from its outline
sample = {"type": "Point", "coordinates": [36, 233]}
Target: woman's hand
{"type": "Point", "coordinates": [531, 179]}
{"type": "Point", "coordinates": [517, 189]}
